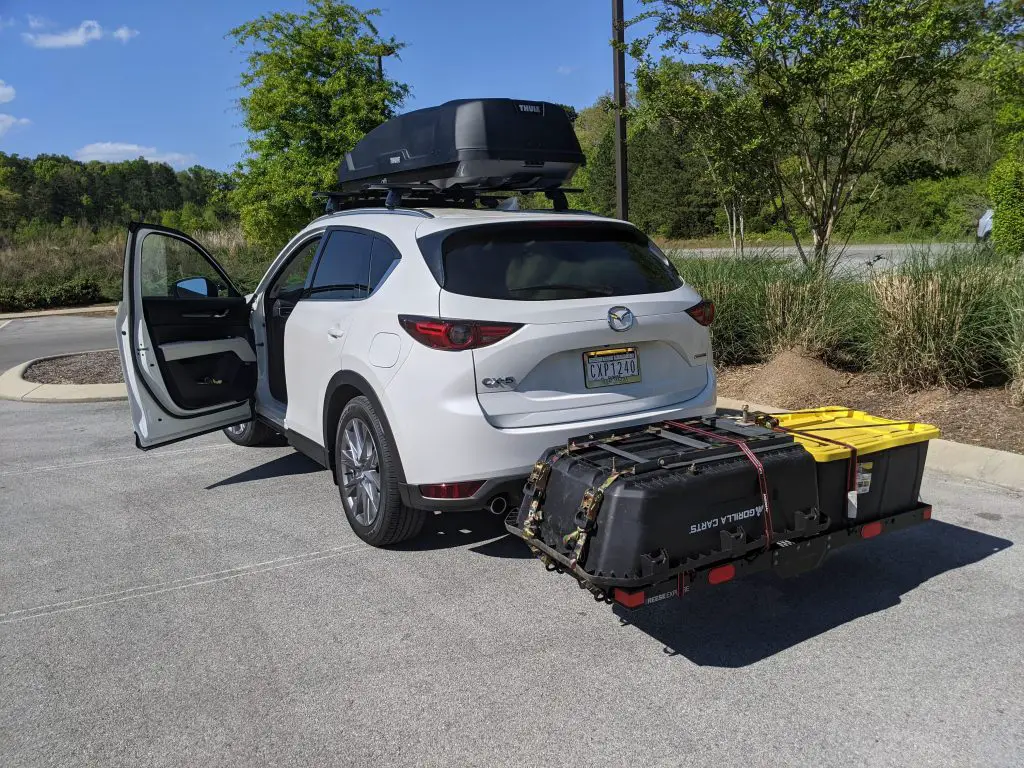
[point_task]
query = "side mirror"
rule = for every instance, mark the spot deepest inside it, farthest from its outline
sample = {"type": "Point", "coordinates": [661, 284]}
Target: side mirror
{"type": "Point", "coordinates": [190, 287]}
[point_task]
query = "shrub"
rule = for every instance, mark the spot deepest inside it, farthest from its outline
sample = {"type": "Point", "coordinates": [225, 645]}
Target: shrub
{"type": "Point", "coordinates": [738, 286]}
{"type": "Point", "coordinates": [71, 293]}
{"type": "Point", "coordinates": [940, 318]}
{"type": "Point", "coordinates": [1012, 341]}
{"type": "Point", "coordinates": [57, 257]}
{"type": "Point", "coordinates": [947, 208]}
{"type": "Point", "coordinates": [765, 305]}
{"type": "Point", "coordinates": [1006, 186]}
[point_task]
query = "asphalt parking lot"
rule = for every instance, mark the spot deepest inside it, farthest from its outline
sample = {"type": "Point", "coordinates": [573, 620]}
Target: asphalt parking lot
{"type": "Point", "coordinates": [206, 604]}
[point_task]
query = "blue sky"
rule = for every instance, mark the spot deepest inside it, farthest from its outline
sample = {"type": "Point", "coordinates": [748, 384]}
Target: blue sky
{"type": "Point", "coordinates": [112, 79]}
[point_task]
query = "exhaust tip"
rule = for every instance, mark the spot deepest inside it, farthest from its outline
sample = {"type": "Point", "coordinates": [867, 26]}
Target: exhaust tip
{"type": "Point", "coordinates": [498, 505]}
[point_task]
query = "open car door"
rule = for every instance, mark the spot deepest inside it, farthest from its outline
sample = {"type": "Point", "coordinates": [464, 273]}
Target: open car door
{"type": "Point", "coordinates": [184, 338]}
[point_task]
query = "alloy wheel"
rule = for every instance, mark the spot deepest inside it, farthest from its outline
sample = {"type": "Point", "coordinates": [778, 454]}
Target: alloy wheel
{"type": "Point", "coordinates": [360, 472]}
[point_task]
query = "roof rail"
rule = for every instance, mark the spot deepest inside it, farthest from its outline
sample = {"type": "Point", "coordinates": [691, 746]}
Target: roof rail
{"type": "Point", "coordinates": [394, 197]}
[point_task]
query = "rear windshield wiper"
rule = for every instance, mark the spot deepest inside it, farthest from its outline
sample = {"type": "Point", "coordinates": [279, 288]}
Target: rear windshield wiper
{"type": "Point", "coordinates": [588, 290]}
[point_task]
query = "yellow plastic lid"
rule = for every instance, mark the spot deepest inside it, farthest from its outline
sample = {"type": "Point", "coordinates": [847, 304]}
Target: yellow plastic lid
{"type": "Point", "coordinates": [866, 433]}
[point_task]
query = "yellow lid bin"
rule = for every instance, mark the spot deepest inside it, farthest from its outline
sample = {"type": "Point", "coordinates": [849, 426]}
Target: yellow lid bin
{"type": "Point", "coordinates": [890, 461]}
{"type": "Point", "coordinates": [819, 429]}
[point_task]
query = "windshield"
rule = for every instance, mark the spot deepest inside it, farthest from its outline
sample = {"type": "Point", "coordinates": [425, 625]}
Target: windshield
{"type": "Point", "coordinates": [548, 261]}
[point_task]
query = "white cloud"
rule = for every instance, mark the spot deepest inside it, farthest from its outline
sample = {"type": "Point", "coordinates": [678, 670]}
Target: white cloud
{"type": "Point", "coordinates": [10, 121]}
{"type": "Point", "coordinates": [124, 34]}
{"type": "Point", "coordinates": [84, 33]}
{"type": "Point", "coordinates": [6, 22]}
{"type": "Point", "coordinates": [564, 70]}
{"type": "Point", "coordinates": [116, 151]}
{"type": "Point", "coordinates": [37, 22]}
{"type": "Point", "coordinates": [6, 92]}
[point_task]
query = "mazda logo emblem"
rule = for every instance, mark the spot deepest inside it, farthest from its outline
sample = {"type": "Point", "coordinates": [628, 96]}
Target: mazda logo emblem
{"type": "Point", "coordinates": [620, 319]}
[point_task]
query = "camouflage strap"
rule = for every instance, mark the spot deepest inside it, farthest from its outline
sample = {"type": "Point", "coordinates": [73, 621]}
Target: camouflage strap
{"type": "Point", "coordinates": [586, 518]}
{"type": "Point", "coordinates": [539, 476]}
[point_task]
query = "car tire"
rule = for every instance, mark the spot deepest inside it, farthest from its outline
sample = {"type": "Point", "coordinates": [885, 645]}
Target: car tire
{"type": "Point", "coordinates": [252, 434]}
{"type": "Point", "coordinates": [367, 471]}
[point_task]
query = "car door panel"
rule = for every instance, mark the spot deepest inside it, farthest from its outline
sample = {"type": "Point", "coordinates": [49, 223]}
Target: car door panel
{"type": "Point", "coordinates": [189, 359]}
{"type": "Point", "coordinates": [203, 348]}
{"type": "Point", "coordinates": [317, 329]}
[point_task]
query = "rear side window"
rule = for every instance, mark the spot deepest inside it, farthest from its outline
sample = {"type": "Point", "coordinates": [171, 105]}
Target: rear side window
{"type": "Point", "coordinates": [343, 271]}
{"type": "Point", "coordinates": [383, 255]}
{"type": "Point", "coordinates": [546, 262]}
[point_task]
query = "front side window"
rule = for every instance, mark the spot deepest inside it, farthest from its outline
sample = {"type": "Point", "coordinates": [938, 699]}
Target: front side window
{"type": "Point", "coordinates": [343, 271]}
{"type": "Point", "coordinates": [549, 261]}
{"type": "Point", "coordinates": [173, 268]}
{"type": "Point", "coordinates": [292, 280]}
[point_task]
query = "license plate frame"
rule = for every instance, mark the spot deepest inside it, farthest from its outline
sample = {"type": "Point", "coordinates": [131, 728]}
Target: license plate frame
{"type": "Point", "coordinates": [616, 353]}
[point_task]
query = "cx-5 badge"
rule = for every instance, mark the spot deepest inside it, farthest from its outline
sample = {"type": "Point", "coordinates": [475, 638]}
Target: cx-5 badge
{"type": "Point", "coordinates": [620, 318]}
{"type": "Point", "coordinates": [499, 383]}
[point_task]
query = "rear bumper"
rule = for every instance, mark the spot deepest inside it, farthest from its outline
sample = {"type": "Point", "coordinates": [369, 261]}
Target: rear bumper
{"type": "Point", "coordinates": [511, 487]}
{"type": "Point", "coordinates": [449, 440]}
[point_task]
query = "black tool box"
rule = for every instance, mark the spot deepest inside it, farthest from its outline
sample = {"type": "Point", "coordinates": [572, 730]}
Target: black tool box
{"type": "Point", "coordinates": [626, 508]}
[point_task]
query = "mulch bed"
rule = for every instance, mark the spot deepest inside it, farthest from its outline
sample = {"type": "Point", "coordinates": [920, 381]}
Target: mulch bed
{"type": "Point", "coordinates": [977, 416]}
{"type": "Point", "coordinates": [86, 368]}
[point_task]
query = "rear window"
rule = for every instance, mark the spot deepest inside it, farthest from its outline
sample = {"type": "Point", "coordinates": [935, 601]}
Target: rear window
{"type": "Point", "coordinates": [547, 262]}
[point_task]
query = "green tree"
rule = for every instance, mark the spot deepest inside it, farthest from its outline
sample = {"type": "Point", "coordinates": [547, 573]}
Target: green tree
{"type": "Point", "coordinates": [1004, 69]}
{"type": "Point", "coordinates": [713, 108]}
{"type": "Point", "coordinates": [312, 90]}
{"type": "Point", "coordinates": [833, 85]}
{"type": "Point", "coordinates": [594, 125]}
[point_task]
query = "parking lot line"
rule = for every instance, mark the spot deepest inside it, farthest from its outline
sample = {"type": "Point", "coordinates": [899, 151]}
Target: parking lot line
{"type": "Point", "coordinates": [115, 459]}
{"type": "Point", "coordinates": [4, 324]}
{"type": "Point", "coordinates": [148, 590]}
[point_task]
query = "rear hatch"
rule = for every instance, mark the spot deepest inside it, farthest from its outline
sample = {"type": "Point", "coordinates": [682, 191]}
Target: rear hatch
{"type": "Point", "coordinates": [604, 332]}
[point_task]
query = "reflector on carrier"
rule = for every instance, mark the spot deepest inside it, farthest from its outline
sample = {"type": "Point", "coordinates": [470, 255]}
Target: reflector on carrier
{"type": "Point", "coordinates": [469, 144]}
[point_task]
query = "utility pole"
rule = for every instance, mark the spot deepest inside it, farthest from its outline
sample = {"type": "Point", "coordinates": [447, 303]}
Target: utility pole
{"type": "Point", "coordinates": [619, 67]}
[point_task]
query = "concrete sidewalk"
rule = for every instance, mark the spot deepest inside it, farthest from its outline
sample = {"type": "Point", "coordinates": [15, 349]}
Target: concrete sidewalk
{"type": "Point", "coordinates": [14, 387]}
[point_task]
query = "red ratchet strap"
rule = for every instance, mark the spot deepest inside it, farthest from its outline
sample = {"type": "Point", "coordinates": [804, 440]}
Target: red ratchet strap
{"type": "Point", "coordinates": [762, 481]}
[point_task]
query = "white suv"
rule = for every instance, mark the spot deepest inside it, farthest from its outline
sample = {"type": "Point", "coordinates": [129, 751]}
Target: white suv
{"type": "Point", "coordinates": [426, 356]}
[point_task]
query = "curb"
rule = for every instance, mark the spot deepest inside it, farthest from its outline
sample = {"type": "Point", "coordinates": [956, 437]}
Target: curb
{"type": "Point", "coordinates": [972, 462]}
{"type": "Point", "coordinates": [95, 308]}
{"type": "Point", "coordinates": [14, 387]}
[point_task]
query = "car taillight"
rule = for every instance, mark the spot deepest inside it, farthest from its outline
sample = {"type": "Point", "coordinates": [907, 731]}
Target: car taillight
{"type": "Point", "coordinates": [703, 313]}
{"type": "Point", "coordinates": [463, 490]}
{"type": "Point", "coordinates": [438, 333]}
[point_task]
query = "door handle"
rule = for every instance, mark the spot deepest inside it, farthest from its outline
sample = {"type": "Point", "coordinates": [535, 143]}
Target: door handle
{"type": "Point", "coordinates": [207, 315]}
{"type": "Point", "coordinates": [335, 333]}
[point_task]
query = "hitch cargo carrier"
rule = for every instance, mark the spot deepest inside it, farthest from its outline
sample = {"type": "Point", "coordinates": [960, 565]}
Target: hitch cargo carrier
{"type": "Point", "coordinates": [637, 515]}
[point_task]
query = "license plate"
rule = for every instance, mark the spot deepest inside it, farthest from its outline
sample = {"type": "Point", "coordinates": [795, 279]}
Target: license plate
{"type": "Point", "coordinates": [610, 367]}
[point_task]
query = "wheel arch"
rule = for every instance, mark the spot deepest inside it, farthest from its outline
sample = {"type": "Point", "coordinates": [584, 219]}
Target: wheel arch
{"type": "Point", "coordinates": [343, 387]}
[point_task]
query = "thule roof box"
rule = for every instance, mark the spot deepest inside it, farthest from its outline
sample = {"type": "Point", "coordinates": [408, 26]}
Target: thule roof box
{"type": "Point", "coordinates": [464, 147]}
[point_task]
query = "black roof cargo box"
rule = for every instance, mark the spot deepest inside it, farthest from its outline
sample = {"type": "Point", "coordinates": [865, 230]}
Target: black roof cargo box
{"type": "Point", "coordinates": [470, 144]}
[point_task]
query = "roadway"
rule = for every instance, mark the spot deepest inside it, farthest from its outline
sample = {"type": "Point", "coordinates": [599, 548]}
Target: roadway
{"type": "Point", "coordinates": [854, 258]}
{"type": "Point", "coordinates": [23, 339]}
